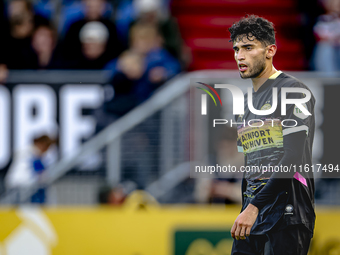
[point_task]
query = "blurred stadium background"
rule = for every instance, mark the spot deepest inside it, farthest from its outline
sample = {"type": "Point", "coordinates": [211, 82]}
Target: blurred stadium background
{"type": "Point", "coordinates": [100, 119]}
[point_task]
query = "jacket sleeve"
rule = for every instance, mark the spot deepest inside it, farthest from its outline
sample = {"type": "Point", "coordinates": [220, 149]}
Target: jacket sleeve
{"type": "Point", "coordinates": [293, 150]}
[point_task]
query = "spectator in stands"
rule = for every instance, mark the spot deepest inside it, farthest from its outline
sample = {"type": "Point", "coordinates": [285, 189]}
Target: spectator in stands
{"type": "Point", "coordinates": [74, 10]}
{"type": "Point", "coordinates": [94, 37]}
{"type": "Point", "coordinates": [130, 70]}
{"type": "Point", "coordinates": [137, 73]}
{"type": "Point", "coordinates": [327, 32]}
{"type": "Point", "coordinates": [112, 196]}
{"type": "Point", "coordinates": [128, 76]}
{"type": "Point", "coordinates": [72, 44]}
{"type": "Point", "coordinates": [44, 41]}
{"type": "Point", "coordinates": [159, 64]}
{"type": "Point", "coordinates": [17, 45]}
{"type": "Point", "coordinates": [28, 165]}
{"type": "Point", "coordinates": [155, 13]}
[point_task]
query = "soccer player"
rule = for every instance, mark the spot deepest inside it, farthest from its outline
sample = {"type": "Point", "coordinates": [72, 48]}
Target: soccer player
{"type": "Point", "coordinates": [277, 215]}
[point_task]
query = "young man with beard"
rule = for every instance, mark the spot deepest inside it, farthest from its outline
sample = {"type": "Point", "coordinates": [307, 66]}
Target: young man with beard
{"type": "Point", "coordinates": [277, 215]}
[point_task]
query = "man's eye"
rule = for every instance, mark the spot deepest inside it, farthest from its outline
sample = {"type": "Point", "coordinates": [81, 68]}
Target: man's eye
{"type": "Point", "coordinates": [248, 48]}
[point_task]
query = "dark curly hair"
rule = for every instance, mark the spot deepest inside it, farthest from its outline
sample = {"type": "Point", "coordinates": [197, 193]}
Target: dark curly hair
{"type": "Point", "coordinates": [253, 26]}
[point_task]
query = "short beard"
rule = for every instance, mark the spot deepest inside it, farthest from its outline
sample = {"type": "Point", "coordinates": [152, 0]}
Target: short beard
{"type": "Point", "coordinates": [258, 69]}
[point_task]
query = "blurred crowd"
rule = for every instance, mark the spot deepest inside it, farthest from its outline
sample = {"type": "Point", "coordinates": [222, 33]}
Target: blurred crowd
{"type": "Point", "coordinates": [107, 34]}
{"type": "Point", "coordinates": [136, 40]}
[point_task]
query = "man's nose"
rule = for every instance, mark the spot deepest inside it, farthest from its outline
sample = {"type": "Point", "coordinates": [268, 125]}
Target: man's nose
{"type": "Point", "coordinates": [240, 55]}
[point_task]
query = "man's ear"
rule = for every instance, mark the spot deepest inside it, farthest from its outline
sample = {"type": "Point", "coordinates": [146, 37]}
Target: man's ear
{"type": "Point", "coordinates": [271, 50]}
